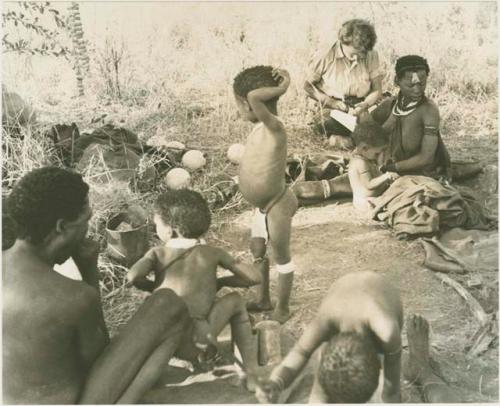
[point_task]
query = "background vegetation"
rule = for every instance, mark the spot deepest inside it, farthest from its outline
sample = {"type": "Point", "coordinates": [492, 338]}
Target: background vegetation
{"type": "Point", "coordinates": [164, 70]}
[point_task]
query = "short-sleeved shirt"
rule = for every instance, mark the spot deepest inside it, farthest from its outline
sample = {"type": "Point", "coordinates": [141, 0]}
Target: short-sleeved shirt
{"type": "Point", "coordinates": [335, 75]}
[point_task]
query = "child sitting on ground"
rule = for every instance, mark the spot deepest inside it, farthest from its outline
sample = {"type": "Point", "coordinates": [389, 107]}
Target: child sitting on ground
{"type": "Point", "coordinates": [262, 180]}
{"type": "Point", "coordinates": [360, 318]}
{"type": "Point", "coordinates": [364, 174]}
{"type": "Point", "coordinates": [189, 267]}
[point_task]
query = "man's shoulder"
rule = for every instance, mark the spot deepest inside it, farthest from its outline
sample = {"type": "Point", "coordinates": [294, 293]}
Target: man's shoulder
{"type": "Point", "coordinates": [428, 107]}
{"type": "Point", "coordinates": [75, 295]}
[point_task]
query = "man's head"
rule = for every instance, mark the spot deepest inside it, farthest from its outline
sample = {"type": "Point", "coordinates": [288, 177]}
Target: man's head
{"type": "Point", "coordinates": [51, 205]}
{"type": "Point", "coordinates": [411, 76]}
{"type": "Point", "coordinates": [250, 79]}
{"type": "Point", "coordinates": [358, 34]}
{"type": "Point", "coordinates": [370, 139]}
{"type": "Point", "coordinates": [349, 369]}
{"type": "Point", "coordinates": [181, 213]}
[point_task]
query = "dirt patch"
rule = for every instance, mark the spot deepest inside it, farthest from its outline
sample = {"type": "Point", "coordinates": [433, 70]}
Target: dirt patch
{"type": "Point", "coordinates": [330, 241]}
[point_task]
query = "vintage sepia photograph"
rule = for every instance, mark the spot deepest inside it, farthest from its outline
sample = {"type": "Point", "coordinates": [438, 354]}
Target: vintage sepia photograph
{"type": "Point", "coordinates": [226, 202]}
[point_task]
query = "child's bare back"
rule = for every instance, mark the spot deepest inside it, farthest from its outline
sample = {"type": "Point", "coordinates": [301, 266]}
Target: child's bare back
{"type": "Point", "coordinates": [193, 277]}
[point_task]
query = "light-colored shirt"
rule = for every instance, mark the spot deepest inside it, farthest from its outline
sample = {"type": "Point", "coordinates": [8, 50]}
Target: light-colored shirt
{"type": "Point", "coordinates": [336, 76]}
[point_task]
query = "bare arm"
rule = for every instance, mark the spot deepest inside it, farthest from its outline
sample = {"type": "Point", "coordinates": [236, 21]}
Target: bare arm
{"type": "Point", "coordinates": [428, 146]}
{"type": "Point", "coordinates": [244, 275]}
{"type": "Point", "coordinates": [389, 333]}
{"type": "Point", "coordinates": [374, 183]}
{"type": "Point", "coordinates": [258, 97]}
{"type": "Point", "coordinates": [373, 96]}
{"type": "Point", "coordinates": [361, 171]}
{"type": "Point", "coordinates": [318, 331]}
{"type": "Point", "coordinates": [92, 333]}
{"type": "Point", "coordinates": [137, 275]}
{"type": "Point", "coordinates": [326, 101]}
{"type": "Point", "coordinates": [85, 258]}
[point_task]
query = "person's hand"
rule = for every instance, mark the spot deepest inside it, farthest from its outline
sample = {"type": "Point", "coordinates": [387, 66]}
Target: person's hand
{"type": "Point", "coordinates": [360, 109]}
{"type": "Point", "coordinates": [86, 253]}
{"type": "Point", "coordinates": [267, 391]}
{"type": "Point", "coordinates": [333, 103]}
{"type": "Point", "coordinates": [391, 176]}
{"type": "Point", "coordinates": [282, 77]}
{"type": "Point", "coordinates": [390, 166]}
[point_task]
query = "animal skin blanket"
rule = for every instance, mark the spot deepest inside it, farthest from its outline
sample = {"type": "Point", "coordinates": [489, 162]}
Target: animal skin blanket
{"type": "Point", "coordinates": [419, 205]}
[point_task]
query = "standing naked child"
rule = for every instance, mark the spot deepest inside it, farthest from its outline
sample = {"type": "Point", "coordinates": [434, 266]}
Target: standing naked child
{"type": "Point", "coordinates": [364, 174]}
{"type": "Point", "coordinates": [189, 268]}
{"type": "Point", "coordinates": [262, 180]}
{"type": "Point", "coordinates": [360, 317]}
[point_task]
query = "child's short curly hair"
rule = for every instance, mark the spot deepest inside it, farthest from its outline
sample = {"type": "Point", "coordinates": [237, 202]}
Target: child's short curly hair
{"type": "Point", "coordinates": [358, 33]}
{"type": "Point", "coordinates": [44, 196]}
{"type": "Point", "coordinates": [253, 78]}
{"type": "Point", "coordinates": [185, 210]}
{"type": "Point", "coordinates": [349, 369]}
{"type": "Point", "coordinates": [371, 134]}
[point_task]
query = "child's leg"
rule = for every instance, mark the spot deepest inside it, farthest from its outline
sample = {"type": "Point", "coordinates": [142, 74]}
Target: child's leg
{"type": "Point", "coordinates": [231, 309]}
{"type": "Point", "coordinates": [258, 244]}
{"type": "Point", "coordinates": [279, 221]}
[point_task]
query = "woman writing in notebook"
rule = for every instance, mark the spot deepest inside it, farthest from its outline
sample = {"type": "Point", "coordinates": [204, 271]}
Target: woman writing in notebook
{"type": "Point", "coordinates": [347, 77]}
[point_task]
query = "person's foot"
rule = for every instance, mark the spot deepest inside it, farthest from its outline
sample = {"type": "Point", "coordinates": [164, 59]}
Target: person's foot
{"type": "Point", "coordinates": [250, 382]}
{"type": "Point", "coordinates": [281, 314]}
{"type": "Point", "coordinates": [419, 369]}
{"type": "Point", "coordinates": [417, 331]}
{"type": "Point", "coordinates": [260, 306]}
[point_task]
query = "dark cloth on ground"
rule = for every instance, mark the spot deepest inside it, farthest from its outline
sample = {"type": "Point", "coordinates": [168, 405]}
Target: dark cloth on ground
{"type": "Point", "coordinates": [419, 205]}
{"type": "Point", "coordinates": [313, 167]}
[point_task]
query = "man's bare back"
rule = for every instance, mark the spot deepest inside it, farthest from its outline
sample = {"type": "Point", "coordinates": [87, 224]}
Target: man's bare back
{"type": "Point", "coordinates": [40, 308]}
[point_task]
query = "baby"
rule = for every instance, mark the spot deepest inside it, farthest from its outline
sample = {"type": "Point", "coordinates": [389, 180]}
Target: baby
{"type": "Point", "coordinates": [364, 174]}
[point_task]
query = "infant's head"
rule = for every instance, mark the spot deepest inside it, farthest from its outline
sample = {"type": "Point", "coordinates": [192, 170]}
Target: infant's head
{"type": "Point", "coordinates": [181, 213]}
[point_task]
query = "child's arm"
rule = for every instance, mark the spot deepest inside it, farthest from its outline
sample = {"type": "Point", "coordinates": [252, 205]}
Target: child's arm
{"type": "Point", "coordinates": [257, 98]}
{"type": "Point", "coordinates": [244, 275]}
{"type": "Point", "coordinates": [137, 274]}
{"type": "Point", "coordinates": [389, 333]}
{"type": "Point", "coordinates": [285, 373]}
{"type": "Point", "coordinates": [362, 172]}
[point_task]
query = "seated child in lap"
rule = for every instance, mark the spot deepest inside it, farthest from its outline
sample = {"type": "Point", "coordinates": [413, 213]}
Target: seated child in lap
{"type": "Point", "coordinates": [360, 318]}
{"type": "Point", "coordinates": [189, 267]}
{"type": "Point", "coordinates": [262, 180]}
{"type": "Point", "coordinates": [364, 174]}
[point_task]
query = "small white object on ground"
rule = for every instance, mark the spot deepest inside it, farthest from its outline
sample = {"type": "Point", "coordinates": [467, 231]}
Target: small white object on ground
{"type": "Point", "coordinates": [178, 178]}
{"type": "Point", "coordinates": [235, 153]}
{"type": "Point", "coordinates": [174, 145]}
{"type": "Point", "coordinates": [193, 160]}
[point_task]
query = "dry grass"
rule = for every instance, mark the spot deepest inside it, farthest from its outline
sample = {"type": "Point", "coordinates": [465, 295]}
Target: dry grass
{"type": "Point", "coordinates": [175, 80]}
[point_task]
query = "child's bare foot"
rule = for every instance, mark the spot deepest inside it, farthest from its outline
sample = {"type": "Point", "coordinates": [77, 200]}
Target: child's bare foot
{"type": "Point", "coordinates": [281, 315]}
{"type": "Point", "coordinates": [261, 306]}
{"type": "Point", "coordinates": [419, 370]}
